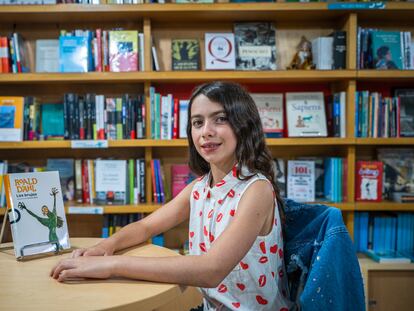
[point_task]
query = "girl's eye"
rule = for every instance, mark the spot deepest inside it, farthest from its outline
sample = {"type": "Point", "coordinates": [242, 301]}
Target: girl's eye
{"type": "Point", "coordinates": [197, 123]}
{"type": "Point", "coordinates": [222, 119]}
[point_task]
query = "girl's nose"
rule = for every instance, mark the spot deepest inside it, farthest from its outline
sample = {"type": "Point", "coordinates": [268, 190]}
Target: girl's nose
{"type": "Point", "coordinates": [208, 129]}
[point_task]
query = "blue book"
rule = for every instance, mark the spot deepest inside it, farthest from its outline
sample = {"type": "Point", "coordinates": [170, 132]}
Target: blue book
{"type": "Point", "coordinates": [388, 257]}
{"type": "Point", "coordinates": [364, 225]}
{"type": "Point", "coordinates": [73, 54]}
{"type": "Point", "coordinates": [105, 227]}
{"type": "Point", "coordinates": [357, 231]}
{"type": "Point", "coordinates": [158, 240]}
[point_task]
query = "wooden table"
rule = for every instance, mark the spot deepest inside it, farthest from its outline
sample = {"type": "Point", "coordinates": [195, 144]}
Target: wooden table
{"type": "Point", "coordinates": [27, 286]}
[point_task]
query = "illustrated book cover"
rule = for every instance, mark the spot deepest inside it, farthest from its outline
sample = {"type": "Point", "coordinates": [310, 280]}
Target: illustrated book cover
{"type": "Point", "coordinates": [11, 118]}
{"type": "Point", "coordinates": [386, 50]}
{"type": "Point", "coordinates": [185, 54]}
{"type": "Point", "coordinates": [219, 50]}
{"type": "Point", "coordinates": [123, 50]}
{"type": "Point", "coordinates": [270, 107]}
{"type": "Point", "coordinates": [406, 99]}
{"type": "Point", "coordinates": [369, 181]}
{"type": "Point", "coordinates": [301, 181]}
{"type": "Point", "coordinates": [73, 54]}
{"type": "Point", "coordinates": [36, 213]}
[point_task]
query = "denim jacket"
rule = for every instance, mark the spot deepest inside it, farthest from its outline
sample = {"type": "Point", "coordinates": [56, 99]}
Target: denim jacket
{"type": "Point", "coordinates": [321, 263]}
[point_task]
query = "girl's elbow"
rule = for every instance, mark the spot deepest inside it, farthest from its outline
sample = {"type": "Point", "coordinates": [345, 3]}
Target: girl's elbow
{"type": "Point", "coordinates": [214, 277]}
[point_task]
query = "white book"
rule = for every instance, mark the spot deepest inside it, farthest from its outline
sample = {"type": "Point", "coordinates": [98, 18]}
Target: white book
{"type": "Point", "coordinates": [36, 213]}
{"type": "Point", "coordinates": [322, 52]}
{"type": "Point", "coordinates": [155, 58]}
{"type": "Point", "coordinates": [183, 117]}
{"type": "Point", "coordinates": [301, 181]}
{"type": "Point", "coordinates": [306, 114]}
{"type": "Point", "coordinates": [219, 51]}
{"type": "Point", "coordinates": [141, 51]}
{"type": "Point", "coordinates": [47, 55]}
{"type": "Point", "coordinates": [111, 178]}
{"type": "Point", "coordinates": [165, 111]}
{"type": "Point", "coordinates": [270, 107]}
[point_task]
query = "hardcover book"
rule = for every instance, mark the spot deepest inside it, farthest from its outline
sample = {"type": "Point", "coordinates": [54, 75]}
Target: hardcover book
{"type": "Point", "coordinates": [11, 118]}
{"type": "Point", "coordinates": [219, 50]}
{"type": "Point", "coordinates": [270, 107]}
{"type": "Point", "coordinates": [301, 181]}
{"type": "Point", "coordinates": [123, 50]}
{"type": "Point", "coordinates": [306, 114]}
{"type": "Point", "coordinates": [185, 54]}
{"type": "Point", "coordinates": [36, 213]}
{"type": "Point", "coordinates": [255, 46]}
{"type": "Point", "coordinates": [369, 181]}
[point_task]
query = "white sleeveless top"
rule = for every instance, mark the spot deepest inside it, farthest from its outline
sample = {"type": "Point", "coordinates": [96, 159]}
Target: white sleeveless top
{"type": "Point", "coordinates": [259, 281]}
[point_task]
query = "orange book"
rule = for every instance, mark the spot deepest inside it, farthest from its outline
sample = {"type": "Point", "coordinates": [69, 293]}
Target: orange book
{"type": "Point", "coordinates": [11, 118]}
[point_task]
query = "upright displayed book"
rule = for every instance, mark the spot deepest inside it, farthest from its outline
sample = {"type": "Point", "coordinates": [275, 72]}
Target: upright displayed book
{"type": "Point", "coordinates": [181, 176]}
{"type": "Point", "coordinates": [11, 118]}
{"type": "Point", "coordinates": [47, 55]}
{"type": "Point", "coordinates": [406, 100]}
{"type": "Point", "coordinates": [110, 181]}
{"type": "Point", "coordinates": [270, 107]}
{"type": "Point", "coordinates": [73, 54]}
{"type": "Point", "coordinates": [123, 50]}
{"type": "Point", "coordinates": [66, 169]}
{"type": "Point", "coordinates": [219, 51]}
{"type": "Point", "coordinates": [185, 54]}
{"type": "Point", "coordinates": [280, 175]}
{"type": "Point", "coordinates": [301, 181]}
{"type": "Point", "coordinates": [369, 181]}
{"type": "Point", "coordinates": [386, 50]}
{"type": "Point", "coordinates": [306, 114]}
{"type": "Point", "coordinates": [255, 46]}
{"type": "Point", "coordinates": [36, 213]}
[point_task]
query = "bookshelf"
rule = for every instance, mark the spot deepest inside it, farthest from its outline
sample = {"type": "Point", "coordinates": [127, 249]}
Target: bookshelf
{"type": "Point", "coordinates": [163, 22]}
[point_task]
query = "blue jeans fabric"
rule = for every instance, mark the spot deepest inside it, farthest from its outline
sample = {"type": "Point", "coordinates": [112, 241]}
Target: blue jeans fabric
{"type": "Point", "coordinates": [321, 262]}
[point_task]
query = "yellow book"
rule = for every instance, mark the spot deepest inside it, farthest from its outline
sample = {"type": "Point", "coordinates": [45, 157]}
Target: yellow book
{"type": "Point", "coordinates": [11, 118]}
{"type": "Point", "coordinates": [123, 50]}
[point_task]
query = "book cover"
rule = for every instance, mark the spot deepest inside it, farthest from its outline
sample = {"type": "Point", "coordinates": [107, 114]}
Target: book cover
{"type": "Point", "coordinates": [386, 49]}
{"type": "Point", "coordinates": [255, 46]}
{"type": "Point", "coordinates": [181, 176]}
{"type": "Point", "coordinates": [110, 181]}
{"type": "Point", "coordinates": [369, 181]}
{"type": "Point", "coordinates": [11, 118]}
{"type": "Point", "coordinates": [52, 120]}
{"type": "Point", "coordinates": [406, 119]}
{"type": "Point", "coordinates": [301, 181]}
{"type": "Point", "coordinates": [280, 175]}
{"type": "Point", "coordinates": [183, 117]}
{"type": "Point", "coordinates": [219, 51]}
{"type": "Point", "coordinates": [270, 107]}
{"type": "Point", "coordinates": [66, 169]}
{"type": "Point", "coordinates": [36, 213]}
{"type": "Point", "coordinates": [387, 256]}
{"type": "Point", "coordinates": [306, 114]}
{"type": "Point", "coordinates": [73, 54]}
{"type": "Point", "coordinates": [185, 54]}
{"type": "Point", "coordinates": [47, 55]}
{"type": "Point", "coordinates": [123, 50]}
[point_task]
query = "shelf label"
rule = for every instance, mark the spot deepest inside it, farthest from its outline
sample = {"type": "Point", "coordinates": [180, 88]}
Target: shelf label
{"type": "Point", "coordinates": [85, 144]}
{"type": "Point", "coordinates": [356, 6]}
{"type": "Point", "coordinates": [90, 210]}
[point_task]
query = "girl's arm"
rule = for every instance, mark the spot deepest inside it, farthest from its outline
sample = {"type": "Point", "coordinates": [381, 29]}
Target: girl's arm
{"type": "Point", "coordinates": [255, 207]}
{"type": "Point", "coordinates": [164, 218]}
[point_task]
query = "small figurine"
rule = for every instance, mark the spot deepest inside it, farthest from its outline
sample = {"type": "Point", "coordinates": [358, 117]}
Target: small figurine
{"type": "Point", "coordinates": [303, 56]}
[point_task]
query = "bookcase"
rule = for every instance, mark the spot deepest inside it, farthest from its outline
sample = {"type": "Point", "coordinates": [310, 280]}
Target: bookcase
{"type": "Point", "coordinates": [163, 22]}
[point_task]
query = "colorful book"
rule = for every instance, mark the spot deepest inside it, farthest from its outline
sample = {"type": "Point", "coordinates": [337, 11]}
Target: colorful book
{"type": "Point", "coordinates": [185, 54]}
{"type": "Point", "coordinates": [123, 50]}
{"type": "Point", "coordinates": [369, 181]}
{"type": "Point", "coordinates": [11, 118]}
{"type": "Point", "coordinates": [181, 176]}
{"type": "Point", "coordinates": [36, 213]}
{"type": "Point", "coordinates": [52, 120]}
{"type": "Point", "coordinates": [301, 181]}
{"type": "Point", "coordinates": [66, 169]}
{"type": "Point", "coordinates": [270, 107]}
{"type": "Point", "coordinates": [73, 54]}
{"type": "Point", "coordinates": [386, 49]}
{"type": "Point", "coordinates": [110, 181]}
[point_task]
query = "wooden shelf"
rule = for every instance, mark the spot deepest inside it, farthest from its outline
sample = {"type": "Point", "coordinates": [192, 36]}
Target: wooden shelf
{"type": "Point", "coordinates": [309, 141]}
{"type": "Point", "coordinates": [384, 206]}
{"type": "Point", "coordinates": [385, 141]}
{"type": "Point", "coordinates": [385, 75]}
{"type": "Point", "coordinates": [342, 206]}
{"type": "Point", "coordinates": [282, 76]}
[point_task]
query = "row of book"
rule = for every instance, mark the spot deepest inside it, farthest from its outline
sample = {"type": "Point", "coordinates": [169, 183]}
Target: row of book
{"type": "Point", "coordinates": [112, 223]}
{"type": "Point", "coordinates": [381, 116]}
{"type": "Point", "coordinates": [76, 51]}
{"type": "Point", "coordinates": [385, 237]}
{"type": "Point", "coordinates": [380, 49]}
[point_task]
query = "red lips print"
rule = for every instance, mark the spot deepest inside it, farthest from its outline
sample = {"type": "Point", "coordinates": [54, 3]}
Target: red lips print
{"type": "Point", "coordinates": [263, 259]}
{"type": "Point", "coordinates": [220, 201]}
{"type": "Point", "coordinates": [232, 212]}
{"type": "Point", "coordinates": [219, 217]}
{"type": "Point", "coordinates": [191, 234]}
{"type": "Point", "coordinates": [211, 237]}
{"type": "Point", "coordinates": [234, 170]}
{"type": "Point", "coordinates": [261, 300]}
{"type": "Point", "coordinates": [236, 304]}
{"type": "Point", "coordinates": [244, 265]}
{"type": "Point", "coordinates": [222, 288]}
{"type": "Point", "coordinates": [241, 286]}
{"type": "Point", "coordinates": [196, 195]}
{"type": "Point", "coordinates": [273, 249]}
{"type": "Point", "coordinates": [208, 194]}
{"type": "Point", "coordinates": [191, 245]}
{"type": "Point", "coordinates": [273, 274]}
{"type": "Point", "coordinates": [263, 247]}
{"type": "Point", "coordinates": [220, 183]}
{"type": "Point", "coordinates": [210, 213]}
{"type": "Point", "coordinates": [262, 280]}
{"type": "Point", "coordinates": [280, 253]}
{"type": "Point", "coordinates": [284, 309]}
{"type": "Point", "coordinates": [205, 231]}
{"type": "Point", "coordinates": [203, 247]}
{"type": "Point", "coordinates": [231, 193]}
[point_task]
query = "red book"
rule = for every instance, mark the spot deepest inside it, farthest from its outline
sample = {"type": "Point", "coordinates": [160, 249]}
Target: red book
{"type": "Point", "coordinates": [85, 182]}
{"type": "Point", "coordinates": [5, 58]}
{"type": "Point", "coordinates": [369, 181]}
{"type": "Point", "coordinates": [175, 116]}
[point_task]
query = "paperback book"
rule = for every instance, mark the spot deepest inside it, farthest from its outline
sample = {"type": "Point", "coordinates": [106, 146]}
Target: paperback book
{"type": "Point", "coordinates": [123, 50]}
{"type": "Point", "coordinates": [11, 118]}
{"type": "Point", "coordinates": [219, 50]}
{"type": "Point", "coordinates": [369, 181]}
{"type": "Point", "coordinates": [301, 181]}
{"type": "Point", "coordinates": [36, 213]}
{"type": "Point", "coordinates": [185, 54]}
{"type": "Point", "coordinates": [270, 107]}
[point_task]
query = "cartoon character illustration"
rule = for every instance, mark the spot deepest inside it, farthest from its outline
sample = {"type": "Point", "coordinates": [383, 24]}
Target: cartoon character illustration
{"type": "Point", "coordinates": [51, 221]}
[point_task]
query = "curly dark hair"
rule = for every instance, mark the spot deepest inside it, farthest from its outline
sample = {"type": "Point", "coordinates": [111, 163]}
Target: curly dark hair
{"type": "Point", "coordinates": [243, 117]}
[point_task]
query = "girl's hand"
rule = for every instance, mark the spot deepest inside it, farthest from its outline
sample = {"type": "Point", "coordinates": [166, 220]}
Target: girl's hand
{"type": "Point", "coordinates": [97, 250]}
{"type": "Point", "coordinates": [84, 267]}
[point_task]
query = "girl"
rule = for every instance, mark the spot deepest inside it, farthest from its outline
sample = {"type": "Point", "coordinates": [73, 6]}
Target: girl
{"type": "Point", "coordinates": [235, 233]}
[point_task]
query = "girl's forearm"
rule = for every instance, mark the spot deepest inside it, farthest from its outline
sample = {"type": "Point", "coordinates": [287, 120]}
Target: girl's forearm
{"type": "Point", "coordinates": [183, 270]}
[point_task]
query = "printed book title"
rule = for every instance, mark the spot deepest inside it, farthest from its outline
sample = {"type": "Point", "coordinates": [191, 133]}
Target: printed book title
{"type": "Point", "coordinates": [26, 187]}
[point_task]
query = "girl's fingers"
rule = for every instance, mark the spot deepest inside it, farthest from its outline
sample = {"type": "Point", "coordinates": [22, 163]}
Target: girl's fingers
{"type": "Point", "coordinates": [78, 252]}
{"type": "Point", "coordinates": [64, 265]}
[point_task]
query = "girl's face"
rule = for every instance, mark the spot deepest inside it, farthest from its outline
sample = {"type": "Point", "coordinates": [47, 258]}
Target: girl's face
{"type": "Point", "coordinates": [212, 134]}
